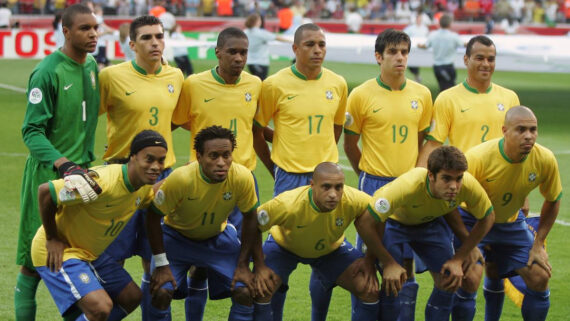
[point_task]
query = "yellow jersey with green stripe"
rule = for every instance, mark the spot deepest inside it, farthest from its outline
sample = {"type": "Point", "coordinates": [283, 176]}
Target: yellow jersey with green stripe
{"type": "Point", "coordinates": [135, 101]}
{"type": "Point", "coordinates": [297, 224]}
{"type": "Point", "coordinates": [89, 228]}
{"type": "Point", "coordinates": [508, 183]}
{"type": "Point", "coordinates": [469, 118]}
{"type": "Point", "coordinates": [408, 199]}
{"type": "Point", "coordinates": [389, 122]}
{"type": "Point", "coordinates": [304, 113]}
{"type": "Point", "coordinates": [199, 208]}
{"type": "Point", "coordinates": [207, 100]}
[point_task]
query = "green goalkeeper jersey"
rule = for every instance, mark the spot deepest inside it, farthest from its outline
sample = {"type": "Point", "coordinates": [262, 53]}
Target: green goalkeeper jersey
{"type": "Point", "coordinates": [62, 109]}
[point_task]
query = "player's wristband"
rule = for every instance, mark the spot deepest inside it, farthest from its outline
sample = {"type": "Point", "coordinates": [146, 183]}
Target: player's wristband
{"type": "Point", "coordinates": [160, 260]}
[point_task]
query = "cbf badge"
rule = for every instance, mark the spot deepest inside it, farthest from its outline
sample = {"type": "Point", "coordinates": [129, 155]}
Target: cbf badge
{"type": "Point", "coordinates": [227, 196]}
{"type": "Point", "coordinates": [329, 95]}
{"type": "Point", "coordinates": [339, 222]}
{"type": "Point", "coordinates": [500, 107]}
{"type": "Point", "coordinates": [531, 177]}
{"type": "Point", "coordinates": [414, 104]}
{"type": "Point", "coordinates": [452, 203]}
{"type": "Point", "coordinates": [170, 88]}
{"type": "Point", "coordinates": [247, 97]}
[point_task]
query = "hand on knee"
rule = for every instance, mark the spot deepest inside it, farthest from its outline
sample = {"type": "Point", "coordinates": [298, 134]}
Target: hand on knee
{"type": "Point", "coordinates": [472, 279]}
{"type": "Point", "coordinates": [242, 296]}
{"type": "Point", "coordinates": [161, 299]}
{"type": "Point", "coordinates": [538, 278]}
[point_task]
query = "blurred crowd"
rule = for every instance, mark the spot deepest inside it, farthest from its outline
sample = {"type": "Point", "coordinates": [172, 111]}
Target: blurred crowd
{"type": "Point", "coordinates": [513, 11]}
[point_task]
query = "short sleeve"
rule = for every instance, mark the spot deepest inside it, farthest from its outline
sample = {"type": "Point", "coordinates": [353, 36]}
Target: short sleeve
{"type": "Point", "coordinates": [354, 114]}
{"type": "Point", "coordinates": [441, 120]}
{"type": "Point", "coordinates": [427, 113]}
{"type": "Point", "coordinates": [248, 199]}
{"type": "Point", "coordinates": [271, 213]}
{"type": "Point", "coordinates": [340, 116]}
{"type": "Point", "coordinates": [267, 104]}
{"type": "Point", "coordinates": [104, 91]}
{"type": "Point", "coordinates": [169, 195]}
{"type": "Point", "coordinates": [551, 186]}
{"type": "Point", "coordinates": [385, 201]}
{"type": "Point", "coordinates": [181, 114]}
{"type": "Point", "coordinates": [476, 198]}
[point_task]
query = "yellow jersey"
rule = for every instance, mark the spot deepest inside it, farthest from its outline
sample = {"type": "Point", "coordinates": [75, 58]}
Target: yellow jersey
{"type": "Point", "coordinates": [199, 208]}
{"type": "Point", "coordinates": [408, 199]}
{"type": "Point", "coordinates": [90, 227]}
{"type": "Point", "coordinates": [508, 183]}
{"type": "Point", "coordinates": [389, 122]}
{"type": "Point", "coordinates": [207, 100]}
{"type": "Point", "coordinates": [297, 224]}
{"type": "Point", "coordinates": [135, 101]}
{"type": "Point", "coordinates": [468, 117]}
{"type": "Point", "coordinates": [304, 113]}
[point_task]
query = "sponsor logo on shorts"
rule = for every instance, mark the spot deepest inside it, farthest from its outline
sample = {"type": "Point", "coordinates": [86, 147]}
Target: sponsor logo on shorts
{"type": "Point", "coordinates": [263, 217]}
{"type": "Point", "coordinates": [35, 96]}
{"type": "Point", "coordinates": [159, 198]}
{"type": "Point", "coordinates": [382, 205]}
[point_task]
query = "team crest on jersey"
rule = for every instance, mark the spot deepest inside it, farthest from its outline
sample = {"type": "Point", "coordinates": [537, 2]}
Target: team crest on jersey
{"type": "Point", "coordinates": [531, 177]}
{"type": "Point", "coordinates": [227, 196]}
{"type": "Point", "coordinates": [329, 94]}
{"type": "Point", "coordinates": [84, 278]}
{"type": "Point", "coordinates": [138, 201]}
{"type": "Point", "coordinates": [262, 217]}
{"type": "Point", "coordinates": [247, 97]}
{"type": "Point", "coordinates": [170, 88]}
{"type": "Point", "coordinates": [349, 120]}
{"type": "Point", "coordinates": [500, 107]}
{"type": "Point", "coordinates": [66, 195]}
{"type": "Point", "coordinates": [35, 96]}
{"type": "Point", "coordinates": [382, 205]}
{"type": "Point", "coordinates": [414, 104]}
{"type": "Point", "coordinates": [339, 222]}
{"type": "Point", "coordinates": [93, 82]}
{"type": "Point", "coordinates": [452, 203]}
{"type": "Point", "coordinates": [159, 198]}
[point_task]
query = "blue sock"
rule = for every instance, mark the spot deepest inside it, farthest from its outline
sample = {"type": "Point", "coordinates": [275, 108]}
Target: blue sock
{"type": "Point", "coordinates": [389, 307]}
{"type": "Point", "coordinates": [320, 298]}
{"type": "Point", "coordinates": [277, 303]}
{"type": "Point", "coordinates": [439, 305]}
{"type": "Point", "coordinates": [407, 297]}
{"type": "Point", "coordinates": [195, 302]}
{"type": "Point", "coordinates": [240, 312]}
{"type": "Point", "coordinates": [535, 305]}
{"type": "Point", "coordinates": [494, 292]}
{"type": "Point", "coordinates": [262, 311]}
{"type": "Point", "coordinates": [364, 311]}
{"type": "Point", "coordinates": [463, 306]}
{"type": "Point", "coordinates": [117, 313]}
{"type": "Point", "coordinates": [146, 297]}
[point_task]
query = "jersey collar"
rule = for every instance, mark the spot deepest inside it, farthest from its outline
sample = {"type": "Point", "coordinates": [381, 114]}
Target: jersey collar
{"type": "Point", "coordinates": [502, 150]}
{"type": "Point", "coordinates": [204, 177]}
{"type": "Point", "coordinates": [220, 79]}
{"type": "Point", "coordinates": [301, 76]}
{"type": "Point", "coordinates": [383, 85]}
{"type": "Point", "coordinates": [475, 91]}
{"type": "Point", "coordinates": [126, 179]}
{"type": "Point", "coordinates": [142, 71]}
{"type": "Point", "coordinates": [313, 205]}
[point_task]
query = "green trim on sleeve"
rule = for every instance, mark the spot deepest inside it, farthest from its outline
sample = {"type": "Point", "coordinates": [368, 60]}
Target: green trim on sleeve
{"type": "Point", "coordinates": [374, 215]}
{"type": "Point", "coordinates": [256, 123]}
{"type": "Point", "coordinates": [430, 137]}
{"type": "Point", "coordinates": [488, 212]}
{"type": "Point", "coordinates": [52, 192]}
{"type": "Point", "coordinates": [558, 197]}
{"type": "Point", "coordinates": [254, 206]}
{"type": "Point", "coordinates": [350, 132]}
{"type": "Point", "coordinates": [155, 209]}
{"type": "Point", "coordinates": [425, 130]}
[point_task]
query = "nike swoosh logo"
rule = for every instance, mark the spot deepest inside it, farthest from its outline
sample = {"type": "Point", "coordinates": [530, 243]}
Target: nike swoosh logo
{"type": "Point", "coordinates": [109, 205]}
{"type": "Point", "coordinates": [208, 100]}
{"type": "Point", "coordinates": [491, 179]}
{"type": "Point", "coordinates": [67, 87]}
{"type": "Point", "coordinates": [416, 206]}
{"type": "Point", "coordinates": [464, 110]}
{"type": "Point", "coordinates": [130, 93]}
{"type": "Point", "coordinates": [301, 226]}
{"type": "Point", "coordinates": [376, 110]}
{"type": "Point", "coordinates": [291, 97]}
{"type": "Point", "coordinates": [192, 199]}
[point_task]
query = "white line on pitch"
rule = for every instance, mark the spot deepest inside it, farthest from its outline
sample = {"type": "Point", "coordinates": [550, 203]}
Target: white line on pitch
{"type": "Point", "coordinates": [13, 88]}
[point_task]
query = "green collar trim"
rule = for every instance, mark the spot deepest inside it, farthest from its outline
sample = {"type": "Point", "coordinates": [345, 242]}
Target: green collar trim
{"type": "Point", "coordinates": [126, 179]}
{"type": "Point", "coordinates": [427, 187]}
{"type": "Point", "coordinates": [313, 205]}
{"type": "Point", "coordinates": [204, 177]}
{"type": "Point", "coordinates": [473, 90]}
{"type": "Point", "coordinates": [219, 79]}
{"type": "Point", "coordinates": [141, 70]}
{"type": "Point", "coordinates": [502, 150]}
{"type": "Point", "coordinates": [383, 85]}
{"type": "Point", "coordinates": [301, 76]}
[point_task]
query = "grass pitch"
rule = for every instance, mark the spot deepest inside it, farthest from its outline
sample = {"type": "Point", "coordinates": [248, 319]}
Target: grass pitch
{"type": "Point", "coordinates": [546, 94]}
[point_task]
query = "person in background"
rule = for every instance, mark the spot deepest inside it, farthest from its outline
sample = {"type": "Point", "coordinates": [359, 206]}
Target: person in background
{"type": "Point", "coordinates": [417, 29]}
{"type": "Point", "coordinates": [181, 52]}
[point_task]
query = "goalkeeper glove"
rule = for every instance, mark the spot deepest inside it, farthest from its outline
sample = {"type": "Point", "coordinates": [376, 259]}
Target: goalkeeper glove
{"type": "Point", "coordinates": [78, 179]}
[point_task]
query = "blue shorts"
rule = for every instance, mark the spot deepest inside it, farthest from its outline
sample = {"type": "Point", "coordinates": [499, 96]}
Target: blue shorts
{"type": "Point", "coordinates": [219, 254]}
{"type": "Point", "coordinates": [430, 241]}
{"type": "Point", "coordinates": [78, 278]}
{"type": "Point", "coordinates": [327, 267]}
{"type": "Point", "coordinates": [236, 216]}
{"type": "Point", "coordinates": [285, 181]}
{"type": "Point", "coordinates": [133, 240]}
{"type": "Point", "coordinates": [506, 245]}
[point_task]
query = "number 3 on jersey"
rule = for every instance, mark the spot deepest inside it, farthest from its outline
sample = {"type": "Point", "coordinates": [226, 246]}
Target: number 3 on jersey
{"type": "Point", "coordinates": [153, 121]}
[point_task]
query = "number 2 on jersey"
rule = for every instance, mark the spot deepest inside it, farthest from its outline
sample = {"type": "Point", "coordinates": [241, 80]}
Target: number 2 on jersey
{"type": "Point", "coordinates": [485, 129]}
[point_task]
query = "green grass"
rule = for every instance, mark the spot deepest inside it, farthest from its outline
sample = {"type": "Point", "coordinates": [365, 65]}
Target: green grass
{"type": "Point", "coordinates": [547, 94]}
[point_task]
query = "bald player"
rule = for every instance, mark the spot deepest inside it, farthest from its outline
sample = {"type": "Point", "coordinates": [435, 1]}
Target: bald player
{"type": "Point", "coordinates": [392, 114]}
{"type": "Point", "coordinates": [509, 168]}
{"type": "Point", "coordinates": [307, 226]}
{"type": "Point", "coordinates": [307, 104]}
{"type": "Point", "coordinates": [468, 114]}
{"type": "Point", "coordinates": [412, 209]}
